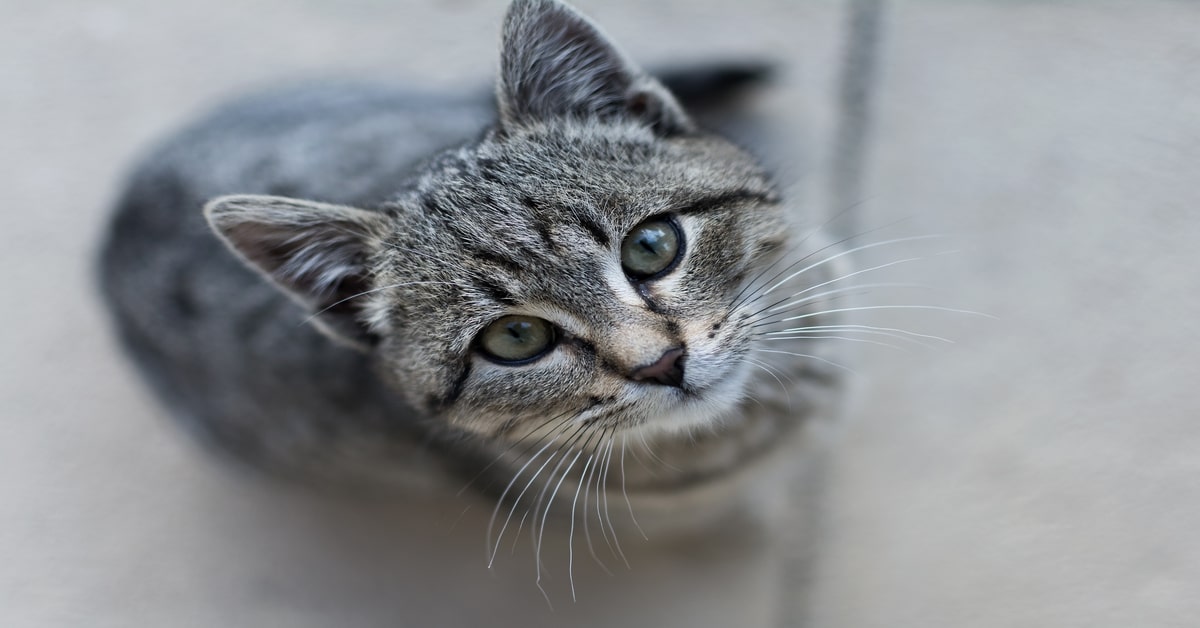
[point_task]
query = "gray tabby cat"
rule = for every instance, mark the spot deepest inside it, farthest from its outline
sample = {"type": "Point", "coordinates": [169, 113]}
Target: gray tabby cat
{"type": "Point", "coordinates": [514, 305]}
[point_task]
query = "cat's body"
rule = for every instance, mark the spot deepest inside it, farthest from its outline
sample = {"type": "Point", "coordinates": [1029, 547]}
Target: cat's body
{"type": "Point", "coordinates": [425, 218]}
{"type": "Point", "coordinates": [230, 354]}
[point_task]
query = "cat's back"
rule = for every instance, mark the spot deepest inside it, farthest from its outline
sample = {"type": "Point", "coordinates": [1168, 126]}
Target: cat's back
{"type": "Point", "coordinates": [341, 142]}
{"type": "Point", "coordinates": [225, 349]}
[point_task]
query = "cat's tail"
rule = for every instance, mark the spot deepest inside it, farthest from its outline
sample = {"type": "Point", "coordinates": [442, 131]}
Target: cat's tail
{"type": "Point", "coordinates": [702, 87]}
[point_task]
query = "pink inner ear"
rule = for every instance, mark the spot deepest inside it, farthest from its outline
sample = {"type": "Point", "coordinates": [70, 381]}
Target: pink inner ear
{"type": "Point", "coordinates": [312, 261]}
{"type": "Point", "coordinates": [307, 248]}
{"type": "Point", "coordinates": [319, 262]}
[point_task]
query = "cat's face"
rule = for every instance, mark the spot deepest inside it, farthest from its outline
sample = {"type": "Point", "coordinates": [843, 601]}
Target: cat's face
{"type": "Point", "coordinates": [579, 266]}
{"type": "Point", "coordinates": [576, 270]}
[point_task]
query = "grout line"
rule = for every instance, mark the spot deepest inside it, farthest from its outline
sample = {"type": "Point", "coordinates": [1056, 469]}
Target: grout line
{"type": "Point", "coordinates": [857, 83]}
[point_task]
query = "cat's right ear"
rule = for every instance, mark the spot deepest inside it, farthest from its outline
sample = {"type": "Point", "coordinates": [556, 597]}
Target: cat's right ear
{"type": "Point", "coordinates": [316, 252]}
{"type": "Point", "coordinates": [555, 63]}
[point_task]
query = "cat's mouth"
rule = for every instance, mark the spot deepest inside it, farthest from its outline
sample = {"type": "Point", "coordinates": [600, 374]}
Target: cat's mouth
{"type": "Point", "coordinates": [702, 402]}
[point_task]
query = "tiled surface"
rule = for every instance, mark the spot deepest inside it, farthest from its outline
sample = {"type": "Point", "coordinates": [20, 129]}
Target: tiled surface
{"type": "Point", "coordinates": [1041, 471]}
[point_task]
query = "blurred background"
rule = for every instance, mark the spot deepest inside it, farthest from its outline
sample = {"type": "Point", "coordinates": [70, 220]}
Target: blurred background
{"type": "Point", "coordinates": [1044, 470]}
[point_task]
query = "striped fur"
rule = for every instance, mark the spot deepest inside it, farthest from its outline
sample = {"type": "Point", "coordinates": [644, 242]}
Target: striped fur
{"type": "Point", "coordinates": [401, 262]}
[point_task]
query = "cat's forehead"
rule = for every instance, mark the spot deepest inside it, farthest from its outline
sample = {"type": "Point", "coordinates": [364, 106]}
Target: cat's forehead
{"type": "Point", "coordinates": [538, 217]}
{"type": "Point", "coordinates": [610, 175]}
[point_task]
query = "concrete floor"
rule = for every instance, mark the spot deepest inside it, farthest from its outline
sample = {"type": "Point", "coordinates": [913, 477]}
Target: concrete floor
{"type": "Point", "coordinates": [1042, 471]}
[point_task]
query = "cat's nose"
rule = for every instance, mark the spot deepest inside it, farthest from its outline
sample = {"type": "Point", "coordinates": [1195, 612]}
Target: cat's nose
{"type": "Point", "coordinates": [668, 370]}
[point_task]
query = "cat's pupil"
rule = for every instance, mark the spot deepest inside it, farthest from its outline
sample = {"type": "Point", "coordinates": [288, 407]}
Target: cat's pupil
{"type": "Point", "coordinates": [650, 248]}
{"type": "Point", "coordinates": [517, 338]}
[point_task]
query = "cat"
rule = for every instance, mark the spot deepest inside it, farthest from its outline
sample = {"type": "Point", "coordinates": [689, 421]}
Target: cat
{"type": "Point", "coordinates": [364, 284]}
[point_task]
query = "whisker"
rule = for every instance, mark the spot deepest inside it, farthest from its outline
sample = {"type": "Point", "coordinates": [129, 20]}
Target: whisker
{"type": "Point", "coordinates": [754, 399]}
{"type": "Point", "coordinates": [586, 491]}
{"type": "Point", "coordinates": [812, 232]}
{"type": "Point", "coordinates": [751, 323]}
{"type": "Point", "coordinates": [771, 367]}
{"type": "Point", "coordinates": [768, 371]}
{"type": "Point", "coordinates": [862, 329]}
{"type": "Point", "coordinates": [849, 252]}
{"type": "Point", "coordinates": [742, 299]}
{"type": "Point", "coordinates": [814, 357]}
{"type": "Point", "coordinates": [372, 290]}
{"type": "Point", "coordinates": [834, 280]}
{"type": "Point", "coordinates": [862, 340]}
{"type": "Point", "coordinates": [535, 538]}
{"type": "Point", "coordinates": [586, 483]}
{"type": "Point", "coordinates": [654, 456]}
{"type": "Point", "coordinates": [645, 465]}
{"type": "Point", "coordinates": [624, 492]}
{"type": "Point", "coordinates": [539, 535]}
{"type": "Point", "coordinates": [860, 272]}
{"type": "Point", "coordinates": [878, 307]}
{"type": "Point", "coordinates": [517, 502]}
{"type": "Point", "coordinates": [545, 515]}
{"type": "Point", "coordinates": [495, 547]}
{"type": "Point", "coordinates": [857, 289]}
{"type": "Point", "coordinates": [571, 533]}
{"type": "Point", "coordinates": [500, 501]}
{"type": "Point", "coordinates": [516, 444]}
{"type": "Point", "coordinates": [517, 534]}
{"type": "Point", "coordinates": [607, 515]}
{"type": "Point", "coordinates": [860, 288]}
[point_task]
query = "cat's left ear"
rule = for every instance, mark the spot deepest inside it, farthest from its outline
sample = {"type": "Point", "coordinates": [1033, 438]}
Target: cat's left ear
{"type": "Point", "coordinates": [554, 62]}
{"type": "Point", "coordinates": [315, 252]}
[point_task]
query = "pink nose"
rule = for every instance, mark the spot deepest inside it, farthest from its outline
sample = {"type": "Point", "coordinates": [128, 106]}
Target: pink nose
{"type": "Point", "coordinates": [668, 370]}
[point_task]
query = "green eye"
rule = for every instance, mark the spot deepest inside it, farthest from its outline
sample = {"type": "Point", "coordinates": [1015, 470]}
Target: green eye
{"type": "Point", "coordinates": [651, 248]}
{"type": "Point", "coordinates": [517, 339]}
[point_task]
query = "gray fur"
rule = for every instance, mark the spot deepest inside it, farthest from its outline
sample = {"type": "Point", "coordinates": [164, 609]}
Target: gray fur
{"type": "Point", "coordinates": [328, 210]}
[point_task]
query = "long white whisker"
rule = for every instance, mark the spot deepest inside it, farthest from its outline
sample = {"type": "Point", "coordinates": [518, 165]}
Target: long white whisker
{"type": "Point", "coordinates": [814, 357]}
{"type": "Point", "coordinates": [832, 245]}
{"type": "Point", "coordinates": [814, 297]}
{"type": "Point", "coordinates": [797, 335]}
{"type": "Point", "coordinates": [600, 489]}
{"type": "Point", "coordinates": [517, 535]}
{"type": "Point", "coordinates": [624, 492]}
{"type": "Point", "coordinates": [642, 461]}
{"type": "Point", "coordinates": [843, 254]}
{"type": "Point", "coordinates": [608, 513]}
{"type": "Point", "coordinates": [571, 534]}
{"type": "Point", "coordinates": [516, 503]}
{"type": "Point", "coordinates": [860, 329]}
{"type": "Point", "coordinates": [771, 368]}
{"type": "Point", "coordinates": [825, 283]}
{"type": "Point", "coordinates": [571, 441]}
{"type": "Point", "coordinates": [884, 307]}
{"type": "Point", "coordinates": [761, 366]}
{"type": "Point", "coordinates": [858, 272]}
{"type": "Point", "coordinates": [738, 298]}
{"type": "Point", "coordinates": [587, 532]}
{"type": "Point", "coordinates": [565, 416]}
{"type": "Point", "coordinates": [546, 514]}
{"type": "Point", "coordinates": [500, 502]}
{"type": "Point", "coordinates": [862, 340]}
{"type": "Point", "coordinates": [654, 456]}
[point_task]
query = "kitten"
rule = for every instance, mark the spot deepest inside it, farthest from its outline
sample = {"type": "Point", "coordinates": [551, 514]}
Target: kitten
{"type": "Point", "coordinates": [358, 282]}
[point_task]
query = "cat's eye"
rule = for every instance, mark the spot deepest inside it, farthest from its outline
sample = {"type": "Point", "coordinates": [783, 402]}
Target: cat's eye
{"type": "Point", "coordinates": [517, 339]}
{"type": "Point", "coordinates": [651, 248]}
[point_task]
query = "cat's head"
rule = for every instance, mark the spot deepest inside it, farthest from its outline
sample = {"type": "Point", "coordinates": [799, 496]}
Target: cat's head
{"type": "Point", "coordinates": [580, 265]}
